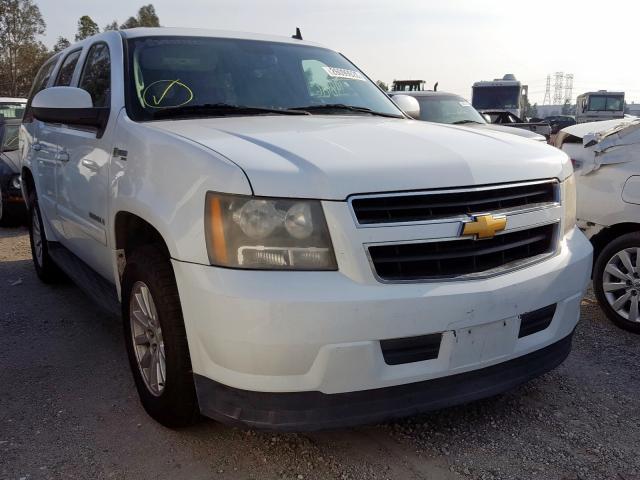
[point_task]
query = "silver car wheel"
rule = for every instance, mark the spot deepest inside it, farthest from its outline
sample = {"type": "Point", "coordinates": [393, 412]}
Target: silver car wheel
{"type": "Point", "coordinates": [146, 336]}
{"type": "Point", "coordinates": [621, 283]}
{"type": "Point", "coordinates": [36, 234]}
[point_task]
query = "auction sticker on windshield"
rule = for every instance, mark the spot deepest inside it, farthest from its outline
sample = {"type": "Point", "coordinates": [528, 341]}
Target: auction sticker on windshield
{"type": "Point", "coordinates": [344, 73]}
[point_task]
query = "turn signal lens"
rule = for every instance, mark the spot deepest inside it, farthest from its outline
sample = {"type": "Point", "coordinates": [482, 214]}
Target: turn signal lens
{"type": "Point", "coordinates": [569, 203]}
{"type": "Point", "coordinates": [267, 233]}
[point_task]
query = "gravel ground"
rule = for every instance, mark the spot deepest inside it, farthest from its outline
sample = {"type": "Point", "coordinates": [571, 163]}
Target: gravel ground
{"type": "Point", "coordinates": [68, 409]}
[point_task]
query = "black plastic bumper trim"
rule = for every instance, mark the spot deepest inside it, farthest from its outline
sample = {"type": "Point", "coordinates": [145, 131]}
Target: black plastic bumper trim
{"type": "Point", "coordinates": [536, 321]}
{"type": "Point", "coordinates": [308, 411]}
{"type": "Point", "coordinates": [397, 351]}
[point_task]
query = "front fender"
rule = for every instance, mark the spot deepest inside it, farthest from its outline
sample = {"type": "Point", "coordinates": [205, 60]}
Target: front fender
{"type": "Point", "coordinates": [163, 179]}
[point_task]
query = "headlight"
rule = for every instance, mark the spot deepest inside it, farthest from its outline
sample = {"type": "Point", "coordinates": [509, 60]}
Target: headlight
{"type": "Point", "coordinates": [569, 203]}
{"type": "Point", "coordinates": [16, 182]}
{"type": "Point", "coordinates": [267, 233]}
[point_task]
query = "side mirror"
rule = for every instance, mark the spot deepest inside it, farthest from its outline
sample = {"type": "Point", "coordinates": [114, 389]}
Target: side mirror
{"type": "Point", "coordinates": [408, 105]}
{"type": "Point", "coordinates": [69, 106]}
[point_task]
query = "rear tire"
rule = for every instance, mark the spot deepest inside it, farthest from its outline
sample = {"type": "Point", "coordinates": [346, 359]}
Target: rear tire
{"type": "Point", "coordinates": [156, 340]}
{"type": "Point", "coordinates": [616, 281]}
{"type": "Point", "coordinates": [46, 269]}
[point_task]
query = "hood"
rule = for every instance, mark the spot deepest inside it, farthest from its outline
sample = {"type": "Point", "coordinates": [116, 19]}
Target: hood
{"type": "Point", "coordinates": [520, 132]}
{"type": "Point", "coordinates": [332, 157]}
{"type": "Point", "coordinates": [11, 159]}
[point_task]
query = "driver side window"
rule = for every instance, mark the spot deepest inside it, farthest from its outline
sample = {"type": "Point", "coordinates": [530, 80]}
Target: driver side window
{"type": "Point", "coordinates": [96, 75]}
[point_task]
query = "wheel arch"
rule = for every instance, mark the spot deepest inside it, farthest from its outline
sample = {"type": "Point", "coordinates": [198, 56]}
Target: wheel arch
{"type": "Point", "coordinates": [606, 235]}
{"type": "Point", "coordinates": [28, 184]}
{"type": "Point", "coordinates": [132, 231]}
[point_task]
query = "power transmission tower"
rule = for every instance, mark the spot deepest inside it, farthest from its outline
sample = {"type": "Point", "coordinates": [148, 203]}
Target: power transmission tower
{"type": "Point", "coordinates": [568, 87]}
{"type": "Point", "coordinates": [558, 90]}
{"type": "Point", "coordinates": [547, 92]}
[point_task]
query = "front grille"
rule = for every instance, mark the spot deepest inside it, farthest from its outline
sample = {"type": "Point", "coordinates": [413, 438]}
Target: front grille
{"type": "Point", "coordinates": [454, 258]}
{"type": "Point", "coordinates": [426, 206]}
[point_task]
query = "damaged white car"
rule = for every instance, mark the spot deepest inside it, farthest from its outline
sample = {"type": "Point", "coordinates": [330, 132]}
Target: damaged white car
{"type": "Point", "coordinates": [606, 157]}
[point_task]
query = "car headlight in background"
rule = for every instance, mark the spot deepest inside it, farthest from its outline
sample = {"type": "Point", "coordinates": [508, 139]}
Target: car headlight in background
{"type": "Point", "coordinates": [267, 233]}
{"type": "Point", "coordinates": [569, 203]}
{"type": "Point", "coordinates": [16, 182]}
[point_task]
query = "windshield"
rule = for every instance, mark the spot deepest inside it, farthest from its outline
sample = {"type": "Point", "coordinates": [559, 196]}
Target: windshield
{"type": "Point", "coordinates": [496, 97]}
{"type": "Point", "coordinates": [601, 103]}
{"type": "Point", "coordinates": [12, 109]}
{"type": "Point", "coordinates": [184, 73]}
{"type": "Point", "coordinates": [447, 109]}
{"type": "Point", "coordinates": [10, 138]}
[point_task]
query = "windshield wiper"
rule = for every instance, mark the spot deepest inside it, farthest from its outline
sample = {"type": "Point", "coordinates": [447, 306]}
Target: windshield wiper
{"type": "Point", "coordinates": [462, 122]}
{"type": "Point", "coordinates": [221, 109]}
{"type": "Point", "coordinates": [342, 106]}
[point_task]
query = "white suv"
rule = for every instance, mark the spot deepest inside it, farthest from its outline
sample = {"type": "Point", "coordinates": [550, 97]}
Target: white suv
{"type": "Point", "coordinates": [289, 250]}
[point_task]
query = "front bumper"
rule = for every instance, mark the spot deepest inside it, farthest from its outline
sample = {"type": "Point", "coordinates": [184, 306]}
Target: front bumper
{"type": "Point", "coordinates": [320, 332]}
{"type": "Point", "coordinates": [306, 411]}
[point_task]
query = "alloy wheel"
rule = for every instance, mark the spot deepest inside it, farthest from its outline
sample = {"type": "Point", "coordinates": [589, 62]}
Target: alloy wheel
{"type": "Point", "coordinates": [621, 283]}
{"type": "Point", "coordinates": [146, 335]}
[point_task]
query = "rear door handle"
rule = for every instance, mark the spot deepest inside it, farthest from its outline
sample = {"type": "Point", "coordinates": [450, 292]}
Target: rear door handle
{"type": "Point", "coordinates": [62, 157]}
{"type": "Point", "coordinates": [90, 164]}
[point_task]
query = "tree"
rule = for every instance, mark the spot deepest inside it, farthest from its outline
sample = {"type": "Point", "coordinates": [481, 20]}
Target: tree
{"type": "Point", "coordinates": [61, 44]}
{"type": "Point", "coordinates": [528, 109]}
{"type": "Point", "coordinates": [146, 17]}
{"type": "Point", "coordinates": [131, 22]}
{"type": "Point", "coordinates": [86, 28]}
{"type": "Point", "coordinates": [20, 24]}
{"type": "Point", "coordinates": [112, 26]}
{"type": "Point", "coordinates": [382, 85]}
{"type": "Point", "coordinates": [31, 58]}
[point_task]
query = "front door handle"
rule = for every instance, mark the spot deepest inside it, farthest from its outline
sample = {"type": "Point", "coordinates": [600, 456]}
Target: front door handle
{"type": "Point", "coordinates": [90, 165]}
{"type": "Point", "coordinates": [62, 156]}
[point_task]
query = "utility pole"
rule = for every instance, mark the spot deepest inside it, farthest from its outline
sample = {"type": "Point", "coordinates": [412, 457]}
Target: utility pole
{"type": "Point", "coordinates": [558, 88]}
{"type": "Point", "coordinates": [568, 88]}
{"type": "Point", "coordinates": [547, 92]}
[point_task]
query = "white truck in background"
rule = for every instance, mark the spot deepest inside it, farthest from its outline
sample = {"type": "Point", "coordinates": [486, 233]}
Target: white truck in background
{"type": "Point", "coordinates": [599, 106]}
{"type": "Point", "coordinates": [506, 93]}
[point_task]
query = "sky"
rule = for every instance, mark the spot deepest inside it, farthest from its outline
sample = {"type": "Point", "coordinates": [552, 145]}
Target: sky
{"type": "Point", "coordinates": [453, 42]}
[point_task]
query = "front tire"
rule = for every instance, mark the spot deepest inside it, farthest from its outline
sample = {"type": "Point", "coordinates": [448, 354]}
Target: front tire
{"type": "Point", "coordinates": [46, 269]}
{"type": "Point", "coordinates": [156, 340]}
{"type": "Point", "coordinates": [616, 281]}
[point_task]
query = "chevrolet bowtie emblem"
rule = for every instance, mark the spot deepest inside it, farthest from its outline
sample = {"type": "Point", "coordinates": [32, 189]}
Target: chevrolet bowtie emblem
{"type": "Point", "coordinates": [485, 226]}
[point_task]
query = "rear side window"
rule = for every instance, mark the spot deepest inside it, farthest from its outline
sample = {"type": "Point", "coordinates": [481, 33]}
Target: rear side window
{"type": "Point", "coordinates": [40, 83]}
{"type": "Point", "coordinates": [96, 75]}
{"type": "Point", "coordinates": [66, 70]}
{"type": "Point", "coordinates": [42, 79]}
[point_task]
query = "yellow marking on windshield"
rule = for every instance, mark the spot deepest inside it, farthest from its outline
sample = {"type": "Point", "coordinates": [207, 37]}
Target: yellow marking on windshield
{"type": "Point", "coordinates": [156, 102]}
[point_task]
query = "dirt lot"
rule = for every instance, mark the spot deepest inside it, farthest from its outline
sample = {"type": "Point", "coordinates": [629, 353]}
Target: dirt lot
{"type": "Point", "coordinates": [68, 409]}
